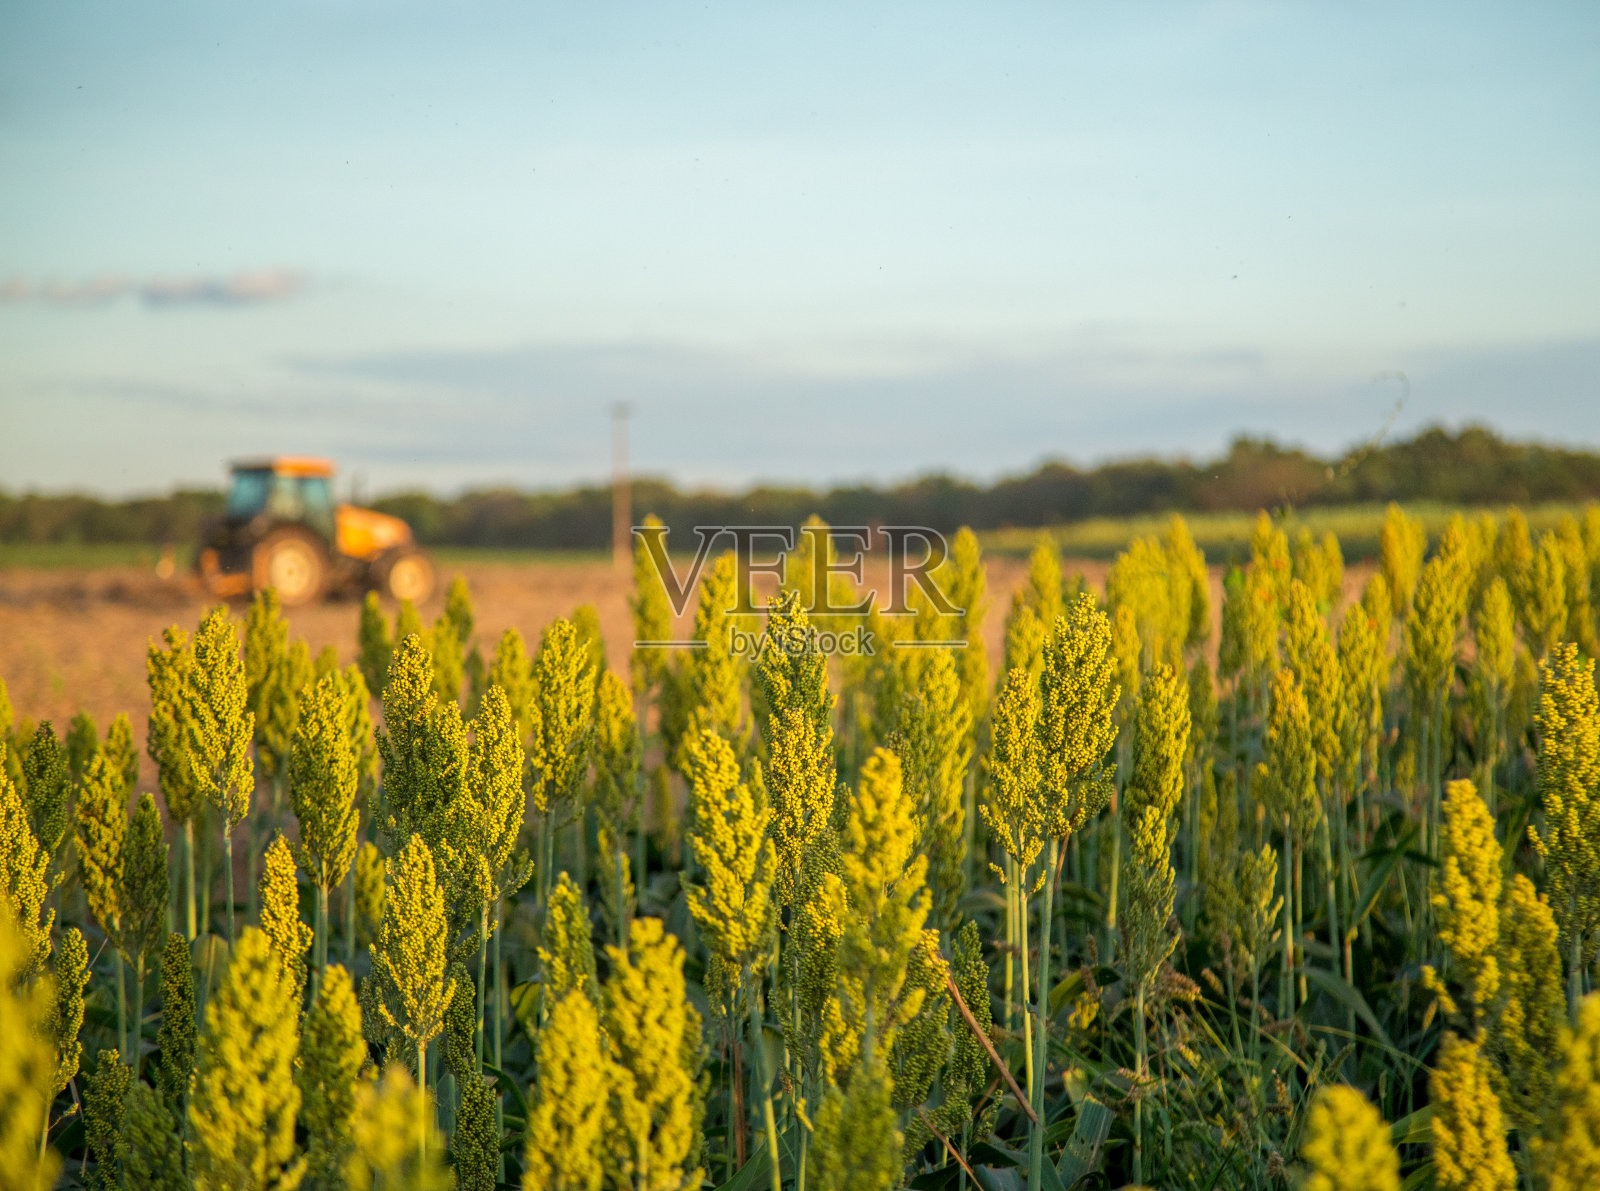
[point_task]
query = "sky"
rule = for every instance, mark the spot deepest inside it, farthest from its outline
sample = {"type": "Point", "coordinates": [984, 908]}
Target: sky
{"type": "Point", "coordinates": [807, 243]}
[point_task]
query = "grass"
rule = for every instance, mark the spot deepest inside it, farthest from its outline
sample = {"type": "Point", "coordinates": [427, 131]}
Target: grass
{"type": "Point", "coordinates": [85, 556]}
{"type": "Point", "coordinates": [1225, 537]}
{"type": "Point", "coordinates": [456, 556]}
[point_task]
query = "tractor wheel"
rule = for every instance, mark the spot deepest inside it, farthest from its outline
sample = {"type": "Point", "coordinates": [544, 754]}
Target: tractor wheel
{"type": "Point", "coordinates": [404, 575]}
{"type": "Point", "coordinates": [293, 561]}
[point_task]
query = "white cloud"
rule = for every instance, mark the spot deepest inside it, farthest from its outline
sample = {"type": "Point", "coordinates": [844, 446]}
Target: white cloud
{"type": "Point", "coordinates": [237, 289]}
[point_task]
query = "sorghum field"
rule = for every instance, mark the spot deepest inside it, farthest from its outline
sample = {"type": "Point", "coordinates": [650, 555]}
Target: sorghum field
{"type": "Point", "coordinates": [1294, 887]}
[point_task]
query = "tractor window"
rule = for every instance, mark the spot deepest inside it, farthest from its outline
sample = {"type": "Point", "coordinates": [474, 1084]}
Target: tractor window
{"type": "Point", "coordinates": [317, 502]}
{"type": "Point", "coordinates": [249, 493]}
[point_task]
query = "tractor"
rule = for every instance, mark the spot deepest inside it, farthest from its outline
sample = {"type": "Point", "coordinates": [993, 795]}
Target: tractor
{"type": "Point", "coordinates": [283, 530]}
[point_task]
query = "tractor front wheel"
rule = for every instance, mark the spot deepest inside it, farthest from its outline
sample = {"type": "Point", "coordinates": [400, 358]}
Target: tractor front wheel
{"type": "Point", "coordinates": [404, 574]}
{"type": "Point", "coordinates": [294, 562]}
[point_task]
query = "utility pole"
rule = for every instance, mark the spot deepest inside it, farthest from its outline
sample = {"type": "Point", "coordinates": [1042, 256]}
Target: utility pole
{"type": "Point", "coordinates": [621, 490]}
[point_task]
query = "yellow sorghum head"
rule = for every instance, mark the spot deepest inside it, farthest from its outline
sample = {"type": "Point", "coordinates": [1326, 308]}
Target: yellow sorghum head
{"type": "Point", "coordinates": [1255, 917]}
{"type": "Point", "coordinates": [1316, 666]}
{"type": "Point", "coordinates": [488, 818]}
{"type": "Point", "coordinates": [1569, 789]}
{"type": "Point", "coordinates": [170, 730]}
{"type": "Point", "coordinates": [1401, 542]}
{"type": "Point", "coordinates": [1288, 781]}
{"type": "Point", "coordinates": [368, 891]}
{"type": "Point", "coordinates": [24, 875]}
{"type": "Point", "coordinates": [857, 1146]}
{"type": "Point", "coordinates": [714, 675]}
{"type": "Point", "coordinates": [1530, 1011]}
{"type": "Point", "coordinates": [653, 1032]}
{"type": "Point", "coordinates": [728, 832]}
{"type": "Point", "coordinates": [47, 781]}
{"type": "Point", "coordinates": [424, 749]}
{"type": "Point", "coordinates": [476, 1143]}
{"type": "Point", "coordinates": [1434, 624]}
{"type": "Point", "coordinates": [652, 615]}
{"type": "Point", "coordinates": [177, 1036]}
{"type": "Point", "coordinates": [881, 902]}
{"type": "Point", "coordinates": [1161, 741]}
{"type": "Point", "coordinates": [409, 958]}
{"type": "Point", "coordinates": [1467, 891]}
{"type": "Point", "coordinates": [1494, 635]}
{"type": "Point", "coordinates": [322, 784]}
{"type": "Point", "coordinates": [279, 890]}
{"type": "Point", "coordinates": [1022, 642]}
{"type": "Point", "coordinates": [934, 742]}
{"type": "Point", "coordinates": [1469, 1136]}
{"type": "Point", "coordinates": [332, 1057]}
{"type": "Point", "coordinates": [447, 650]}
{"type": "Point", "coordinates": [800, 778]}
{"type": "Point", "coordinates": [1362, 677]}
{"type": "Point", "coordinates": [792, 676]}
{"type": "Point", "coordinates": [1127, 652]}
{"type": "Point", "coordinates": [1202, 714]}
{"type": "Point", "coordinates": [968, 1072]}
{"type": "Point", "coordinates": [396, 1141]}
{"type": "Point", "coordinates": [967, 586]}
{"type": "Point", "coordinates": [566, 954]}
{"type": "Point", "coordinates": [1149, 890]}
{"type": "Point", "coordinates": [243, 1107]}
{"type": "Point", "coordinates": [71, 974]}
{"type": "Point", "coordinates": [144, 882]}
{"type": "Point", "coordinates": [152, 1151]}
{"type": "Point", "coordinates": [1543, 602]}
{"type": "Point", "coordinates": [563, 682]}
{"type": "Point", "coordinates": [460, 1026]}
{"type": "Point", "coordinates": [220, 720]}
{"type": "Point", "coordinates": [1078, 695]}
{"type": "Point", "coordinates": [922, 1047]}
{"type": "Point", "coordinates": [1010, 804]}
{"type": "Point", "coordinates": [1187, 567]}
{"type": "Point", "coordinates": [101, 828]}
{"type": "Point", "coordinates": [373, 643]}
{"type": "Point", "coordinates": [83, 742]}
{"type": "Point", "coordinates": [1261, 610]}
{"type": "Point", "coordinates": [120, 752]}
{"type": "Point", "coordinates": [1141, 581]}
{"type": "Point", "coordinates": [512, 671]}
{"type": "Point", "coordinates": [1567, 1152]}
{"type": "Point", "coordinates": [1346, 1145]}
{"type": "Point", "coordinates": [1269, 555]}
{"type": "Point", "coordinates": [617, 750]}
{"type": "Point", "coordinates": [1377, 599]}
{"type": "Point", "coordinates": [568, 1113]}
{"type": "Point", "coordinates": [276, 671]}
{"type": "Point", "coordinates": [1042, 589]}
{"type": "Point", "coordinates": [105, 1095]}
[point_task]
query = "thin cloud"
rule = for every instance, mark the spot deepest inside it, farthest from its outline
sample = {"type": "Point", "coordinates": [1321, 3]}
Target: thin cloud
{"type": "Point", "coordinates": [251, 288]}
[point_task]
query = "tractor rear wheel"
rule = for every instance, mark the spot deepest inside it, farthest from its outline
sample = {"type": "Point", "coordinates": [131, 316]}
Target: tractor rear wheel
{"type": "Point", "coordinates": [293, 561]}
{"type": "Point", "coordinates": [404, 574]}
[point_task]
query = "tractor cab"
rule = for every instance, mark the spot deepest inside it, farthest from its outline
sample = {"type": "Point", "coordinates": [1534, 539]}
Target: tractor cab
{"type": "Point", "coordinates": [295, 490]}
{"type": "Point", "coordinates": [283, 529]}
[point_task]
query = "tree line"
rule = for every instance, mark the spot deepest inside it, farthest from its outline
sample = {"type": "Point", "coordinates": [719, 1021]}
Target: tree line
{"type": "Point", "coordinates": [1472, 466]}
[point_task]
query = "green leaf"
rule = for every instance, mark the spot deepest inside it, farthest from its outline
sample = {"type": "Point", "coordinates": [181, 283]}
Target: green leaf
{"type": "Point", "coordinates": [1089, 1133]}
{"type": "Point", "coordinates": [1416, 1129]}
{"type": "Point", "coordinates": [508, 1086]}
{"type": "Point", "coordinates": [1348, 996]}
{"type": "Point", "coordinates": [992, 1153]}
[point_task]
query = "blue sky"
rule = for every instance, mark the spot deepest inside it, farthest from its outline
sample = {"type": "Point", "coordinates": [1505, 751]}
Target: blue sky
{"type": "Point", "coordinates": [806, 242]}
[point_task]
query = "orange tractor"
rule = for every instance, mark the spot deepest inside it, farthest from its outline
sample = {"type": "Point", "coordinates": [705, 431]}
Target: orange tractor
{"type": "Point", "coordinates": [283, 530]}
